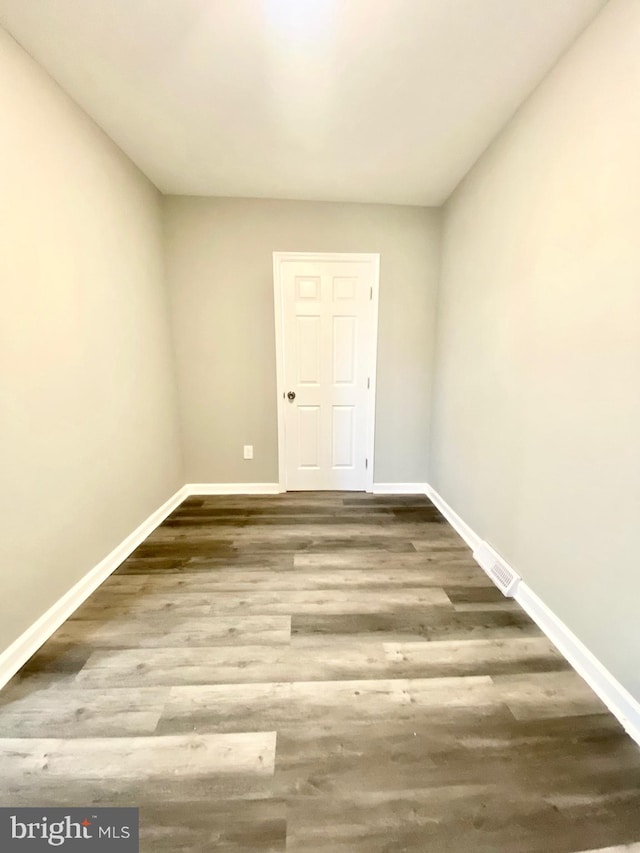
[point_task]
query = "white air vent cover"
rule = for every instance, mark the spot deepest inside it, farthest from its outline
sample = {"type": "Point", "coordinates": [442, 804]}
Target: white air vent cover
{"type": "Point", "coordinates": [500, 572]}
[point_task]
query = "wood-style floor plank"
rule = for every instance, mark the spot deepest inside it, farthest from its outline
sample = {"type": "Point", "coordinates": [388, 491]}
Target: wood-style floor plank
{"type": "Point", "coordinates": [426, 624]}
{"type": "Point", "coordinates": [329, 705]}
{"type": "Point", "coordinates": [71, 713]}
{"type": "Point", "coordinates": [170, 630]}
{"type": "Point", "coordinates": [231, 664]}
{"type": "Point", "coordinates": [317, 673]}
{"type": "Point", "coordinates": [444, 560]}
{"type": "Point", "coordinates": [156, 603]}
{"type": "Point", "coordinates": [141, 758]}
{"type": "Point", "coordinates": [485, 657]}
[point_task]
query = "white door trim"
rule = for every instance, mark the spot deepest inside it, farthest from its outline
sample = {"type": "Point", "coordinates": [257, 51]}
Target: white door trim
{"type": "Point", "coordinates": [278, 302]}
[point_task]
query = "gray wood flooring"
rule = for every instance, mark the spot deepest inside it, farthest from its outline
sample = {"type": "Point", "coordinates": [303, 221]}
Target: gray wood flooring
{"type": "Point", "coordinates": [317, 673]}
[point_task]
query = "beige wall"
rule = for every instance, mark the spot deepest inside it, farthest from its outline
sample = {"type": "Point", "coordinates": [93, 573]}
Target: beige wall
{"type": "Point", "coordinates": [88, 433]}
{"type": "Point", "coordinates": [537, 404]}
{"type": "Point", "coordinates": [219, 264]}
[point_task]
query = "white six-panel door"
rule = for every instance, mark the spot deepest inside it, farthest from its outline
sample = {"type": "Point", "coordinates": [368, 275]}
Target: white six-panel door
{"type": "Point", "coordinates": [327, 342]}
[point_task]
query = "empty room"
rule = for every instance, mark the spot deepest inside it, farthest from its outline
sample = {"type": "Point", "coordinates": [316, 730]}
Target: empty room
{"type": "Point", "coordinates": [319, 418]}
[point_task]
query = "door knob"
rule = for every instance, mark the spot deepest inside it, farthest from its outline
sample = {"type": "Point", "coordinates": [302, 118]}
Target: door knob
{"type": "Point", "coordinates": [291, 395]}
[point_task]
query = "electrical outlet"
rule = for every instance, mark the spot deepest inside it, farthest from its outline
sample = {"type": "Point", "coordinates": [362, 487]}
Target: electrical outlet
{"type": "Point", "coordinates": [248, 451]}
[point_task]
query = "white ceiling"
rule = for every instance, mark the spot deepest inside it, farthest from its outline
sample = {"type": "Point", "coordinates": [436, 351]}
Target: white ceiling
{"type": "Point", "coordinates": [346, 100]}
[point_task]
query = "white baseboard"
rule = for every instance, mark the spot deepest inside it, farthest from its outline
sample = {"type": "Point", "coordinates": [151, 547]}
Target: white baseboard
{"type": "Point", "coordinates": [616, 697]}
{"type": "Point", "coordinates": [470, 536]}
{"type": "Point", "coordinates": [399, 488]}
{"type": "Point", "coordinates": [28, 643]}
{"type": "Point", "coordinates": [233, 488]}
{"type": "Point", "coordinates": [625, 848]}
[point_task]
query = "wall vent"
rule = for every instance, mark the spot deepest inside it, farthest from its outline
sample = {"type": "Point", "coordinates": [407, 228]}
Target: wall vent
{"type": "Point", "coordinates": [500, 572]}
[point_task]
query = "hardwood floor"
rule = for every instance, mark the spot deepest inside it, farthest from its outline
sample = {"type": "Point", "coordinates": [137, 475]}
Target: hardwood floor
{"type": "Point", "coordinates": [317, 673]}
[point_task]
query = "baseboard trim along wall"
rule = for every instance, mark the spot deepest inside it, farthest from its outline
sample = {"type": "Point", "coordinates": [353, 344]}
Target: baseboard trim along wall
{"type": "Point", "coordinates": [233, 488]}
{"type": "Point", "coordinates": [399, 488]}
{"type": "Point", "coordinates": [470, 537]}
{"type": "Point", "coordinates": [616, 697]}
{"type": "Point", "coordinates": [28, 643]}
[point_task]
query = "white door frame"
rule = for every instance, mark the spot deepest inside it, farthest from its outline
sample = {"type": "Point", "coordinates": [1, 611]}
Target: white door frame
{"type": "Point", "coordinates": [278, 302]}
